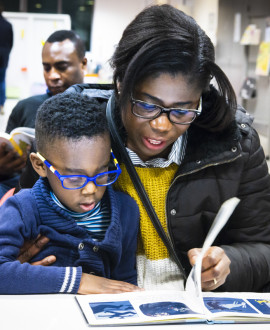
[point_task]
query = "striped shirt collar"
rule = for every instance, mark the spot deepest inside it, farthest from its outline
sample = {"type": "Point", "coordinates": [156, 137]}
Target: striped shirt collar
{"type": "Point", "coordinates": [175, 156]}
{"type": "Point", "coordinates": [95, 222]}
{"type": "Point", "coordinates": [77, 215]}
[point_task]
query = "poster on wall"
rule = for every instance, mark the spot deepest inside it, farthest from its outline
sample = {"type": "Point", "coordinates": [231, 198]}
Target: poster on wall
{"type": "Point", "coordinates": [263, 59]}
{"type": "Point", "coordinates": [251, 35]}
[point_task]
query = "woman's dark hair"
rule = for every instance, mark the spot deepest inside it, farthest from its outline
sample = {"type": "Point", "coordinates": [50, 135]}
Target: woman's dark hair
{"type": "Point", "coordinates": [163, 39]}
{"type": "Point", "coordinates": [69, 116]}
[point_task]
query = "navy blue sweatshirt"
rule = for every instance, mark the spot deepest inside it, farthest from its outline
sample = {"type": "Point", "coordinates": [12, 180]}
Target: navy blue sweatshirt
{"type": "Point", "coordinates": [32, 212]}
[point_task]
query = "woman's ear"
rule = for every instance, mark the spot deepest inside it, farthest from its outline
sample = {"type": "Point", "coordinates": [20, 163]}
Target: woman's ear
{"type": "Point", "coordinates": [38, 165]}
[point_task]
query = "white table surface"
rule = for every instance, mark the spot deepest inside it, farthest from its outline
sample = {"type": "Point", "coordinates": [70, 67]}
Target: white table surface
{"type": "Point", "coordinates": [51, 312]}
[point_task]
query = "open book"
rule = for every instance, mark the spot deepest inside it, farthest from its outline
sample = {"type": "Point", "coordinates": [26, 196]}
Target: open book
{"type": "Point", "coordinates": [20, 139]}
{"type": "Point", "coordinates": [189, 306]}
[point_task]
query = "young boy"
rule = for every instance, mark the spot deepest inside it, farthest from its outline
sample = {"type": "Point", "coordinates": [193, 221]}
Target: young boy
{"type": "Point", "coordinates": [92, 229]}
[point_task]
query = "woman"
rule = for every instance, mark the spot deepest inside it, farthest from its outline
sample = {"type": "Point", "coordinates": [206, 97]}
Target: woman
{"type": "Point", "coordinates": [189, 161]}
{"type": "Point", "coordinates": [192, 150]}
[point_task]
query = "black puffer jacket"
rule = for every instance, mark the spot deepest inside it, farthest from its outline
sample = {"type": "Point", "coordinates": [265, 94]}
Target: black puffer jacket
{"type": "Point", "coordinates": [215, 168]}
{"type": "Point", "coordinates": [218, 166]}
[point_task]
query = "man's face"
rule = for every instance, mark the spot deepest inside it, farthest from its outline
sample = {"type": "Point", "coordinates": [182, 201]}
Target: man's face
{"type": "Point", "coordinates": [62, 67]}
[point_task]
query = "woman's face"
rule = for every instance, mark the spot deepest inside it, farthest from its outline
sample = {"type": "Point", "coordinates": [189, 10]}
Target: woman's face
{"type": "Point", "coordinates": [154, 138]}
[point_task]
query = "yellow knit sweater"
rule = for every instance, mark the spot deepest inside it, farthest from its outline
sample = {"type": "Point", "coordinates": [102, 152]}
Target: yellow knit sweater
{"type": "Point", "coordinates": [156, 182]}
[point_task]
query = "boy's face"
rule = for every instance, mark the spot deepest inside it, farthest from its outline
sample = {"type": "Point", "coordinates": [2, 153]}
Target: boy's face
{"type": "Point", "coordinates": [88, 156]}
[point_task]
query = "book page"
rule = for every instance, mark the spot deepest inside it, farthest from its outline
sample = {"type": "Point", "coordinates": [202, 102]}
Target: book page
{"type": "Point", "coordinates": [193, 285]}
{"type": "Point", "coordinates": [164, 307]}
{"type": "Point", "coordinates": [20, 139]}
{"type": "Point", "coordinates": [246, 307]}
{"type": "Point", "coordinates": [137, 308]}
{"type": "Point", "coordinates": [4, 138]}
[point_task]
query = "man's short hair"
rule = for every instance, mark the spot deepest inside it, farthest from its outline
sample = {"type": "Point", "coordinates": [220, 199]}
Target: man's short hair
{"type": "Point", "coordinates": [62, 35]}
{"type": "Point", "coordinates": [69, 116]}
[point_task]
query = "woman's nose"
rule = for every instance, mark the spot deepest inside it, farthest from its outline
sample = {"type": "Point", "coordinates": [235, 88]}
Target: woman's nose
{"type": "Point", "coordinates": [161, 123]}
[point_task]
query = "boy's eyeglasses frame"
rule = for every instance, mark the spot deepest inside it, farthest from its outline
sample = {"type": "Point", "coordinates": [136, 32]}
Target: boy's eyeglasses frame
{"type": "Point", "coordinates": [117, 172]}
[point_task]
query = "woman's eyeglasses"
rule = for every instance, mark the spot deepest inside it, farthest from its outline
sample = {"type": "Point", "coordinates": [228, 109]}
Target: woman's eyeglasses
{"type": "Point", "coordinates": [175, 115]}
{"type": "Point", "coordinates": [80, 181]}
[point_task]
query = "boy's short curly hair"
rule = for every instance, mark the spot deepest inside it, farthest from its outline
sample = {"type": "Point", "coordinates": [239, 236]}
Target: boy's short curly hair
{"type": "Point", "coordinates": [69, 116]}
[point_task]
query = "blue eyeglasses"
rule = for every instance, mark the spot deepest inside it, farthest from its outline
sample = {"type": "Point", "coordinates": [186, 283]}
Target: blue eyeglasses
{"type": "Point", "coordinates": [151, 111]}
{"type": "Point", "coordinates": [80, 181]}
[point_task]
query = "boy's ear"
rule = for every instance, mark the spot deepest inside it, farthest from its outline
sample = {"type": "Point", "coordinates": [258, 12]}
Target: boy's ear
{"type": "Point", "coordinates": [38, 165]}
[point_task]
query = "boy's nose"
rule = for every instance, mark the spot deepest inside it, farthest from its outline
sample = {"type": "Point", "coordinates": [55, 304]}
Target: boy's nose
{"type": "Point", "coordinates": [89, 189]}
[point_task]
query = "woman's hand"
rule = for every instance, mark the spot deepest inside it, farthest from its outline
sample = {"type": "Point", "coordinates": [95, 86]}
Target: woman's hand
{"type": "Point", "coordinates": [215, 267]}
{"type": "Point", "coordinates": [94, 284]}
{"type": "Point", "coordinates": [32, 248]}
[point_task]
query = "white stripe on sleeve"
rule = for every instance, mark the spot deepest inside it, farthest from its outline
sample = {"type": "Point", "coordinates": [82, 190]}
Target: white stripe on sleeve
{"type": "Point", "coordinates": [74, 274]}
{"type": "Point", "coordinates": [63, 288]}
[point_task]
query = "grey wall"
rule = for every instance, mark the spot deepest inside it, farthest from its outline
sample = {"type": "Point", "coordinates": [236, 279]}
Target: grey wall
{"type": "Point", "coordinates": [239, 61]}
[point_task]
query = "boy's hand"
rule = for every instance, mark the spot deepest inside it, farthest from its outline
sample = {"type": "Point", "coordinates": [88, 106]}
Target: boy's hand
{"type": "Point", "coordinates": [91, 284]}
{"type": "Point", "coordinates": [10, 161]}
{"type": "Point", "coordinates": [32, 248]}
{"type": "Point", "coordinates": [215, 267]}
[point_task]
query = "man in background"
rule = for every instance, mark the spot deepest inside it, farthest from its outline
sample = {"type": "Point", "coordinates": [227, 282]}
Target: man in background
{"type": "Point", "coordinates": [64, 62]}
{"type": "Point", "coordinates": [6, 43]}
